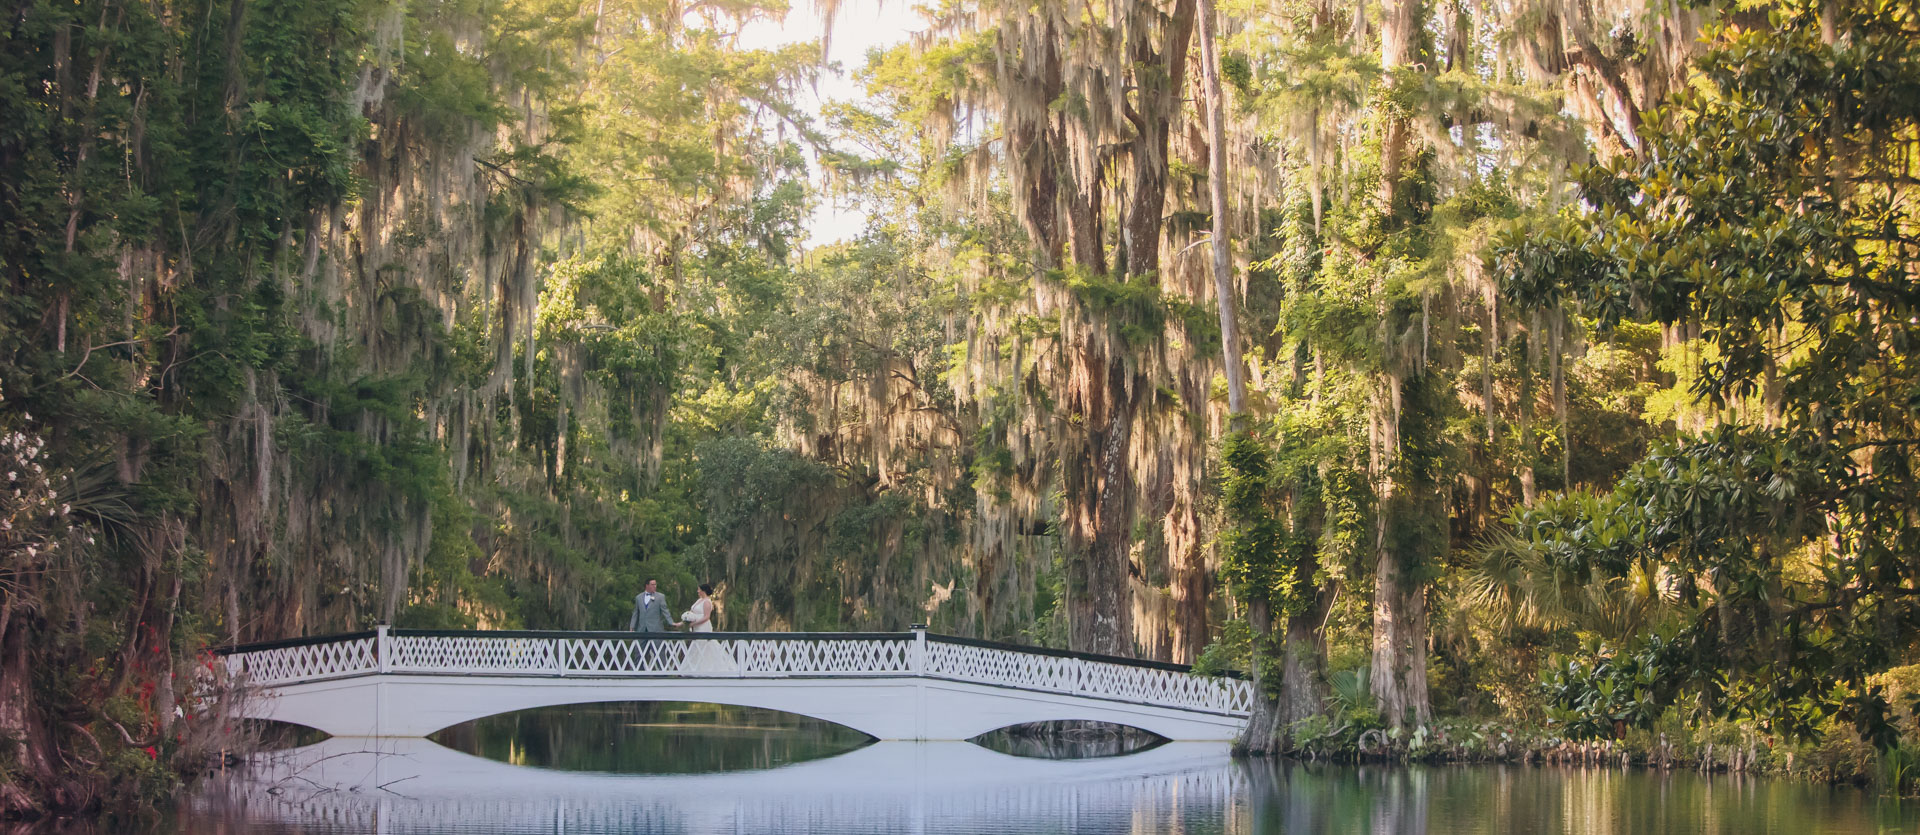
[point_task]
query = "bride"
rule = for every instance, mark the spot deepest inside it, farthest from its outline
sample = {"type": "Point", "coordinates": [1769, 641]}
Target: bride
{"type": "Point", "coordinates": [705, 656]}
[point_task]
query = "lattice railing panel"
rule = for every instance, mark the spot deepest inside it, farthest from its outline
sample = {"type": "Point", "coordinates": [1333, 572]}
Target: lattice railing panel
{"type": "Point", "coordinates": [437, 654]}
{"type": "Point", "coordinates": [823, 656]}
{"type": "Point", "coordinates": [305, 663]}
{"type": "Point", "coordinates": [614, 656]}
{"type": "Point", "coordinates": [1085, 677]}
{"type": "Point", "coordinates": [999, 666]}
{"type": "Point", "coordinates": [1169, 688]}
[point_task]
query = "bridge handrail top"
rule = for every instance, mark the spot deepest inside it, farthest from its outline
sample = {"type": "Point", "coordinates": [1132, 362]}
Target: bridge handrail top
{"type": "Point", "coordinates": [289, 643]}
{"type": "Point", "coordinates": [311, 640]}
{"type": "Point", "coordinates": [623, 633]}
{"type": "Point", "coordinates": [697, 636]}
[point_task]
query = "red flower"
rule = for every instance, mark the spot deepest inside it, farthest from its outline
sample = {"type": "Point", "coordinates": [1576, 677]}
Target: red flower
{"type": "Point", "coordinates": [153, 753]}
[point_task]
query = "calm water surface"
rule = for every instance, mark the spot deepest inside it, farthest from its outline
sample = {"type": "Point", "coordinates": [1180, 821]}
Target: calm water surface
{"type": "Point", "coordinates": [648, 768]}
{"type": "Point", "coordinates": [650, 738]}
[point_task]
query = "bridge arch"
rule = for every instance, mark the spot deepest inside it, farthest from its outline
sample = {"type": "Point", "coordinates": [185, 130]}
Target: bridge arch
{"type": "Point", "coordinates": [643, 710]}
{"type": "Point", "coordinates": [497, 698]}
{"type": "Point", "coordinates": [278, 735]}
{"type": "Point", "coordinates": [420, 705]}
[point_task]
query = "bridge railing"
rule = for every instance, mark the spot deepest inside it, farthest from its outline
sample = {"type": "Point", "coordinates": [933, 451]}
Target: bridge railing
{"type": "Point", "coordinates": [573, 653]}
{"type": "Point", "coordinates": [1082, 674]}
{"type": "Point", "coordinates": [733, 654]}
{"type": "Point", "coordinates": [666, 654]}
{"type": "Point", "coordinates": [306, 659]}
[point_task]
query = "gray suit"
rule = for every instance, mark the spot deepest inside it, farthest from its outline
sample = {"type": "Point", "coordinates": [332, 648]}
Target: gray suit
{"type": "Point", "coordinates": [649, 615]}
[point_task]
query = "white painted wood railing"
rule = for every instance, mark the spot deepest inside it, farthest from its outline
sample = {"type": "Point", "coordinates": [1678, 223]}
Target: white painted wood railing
{"type": "Point", "coordinates": [1163, 685]}
{"type": "Point", "coordinates": [313, 659]}
{"type": "Point", "coordinates": [737, 655]}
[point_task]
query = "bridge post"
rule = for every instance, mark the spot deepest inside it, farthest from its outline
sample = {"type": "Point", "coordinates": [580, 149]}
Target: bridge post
{"type": "Point", "coordinates": [383, 648]}
{"type": "Point", "coordinates": [917, 661]}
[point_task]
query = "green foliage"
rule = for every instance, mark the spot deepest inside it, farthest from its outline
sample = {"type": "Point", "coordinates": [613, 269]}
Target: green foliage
{"type": "Point", "coordinates": [1606, 692]}
{"type": "Point", "coordinates": [1232, 650]}
{"type": "Point", "coordinates": [1047, 624]}
{"type": "Point", "coordinates": [1781, 544]}
{"type": "Point", "coordinates": [1350, 726]}
{"type": "Point", "coordinates": [275, 281]}
{"type": "Point", "coordinates": [743, 479]}
{"type": "Point", "coordinates": [1137, 308]}
{"type": "Point", "coordinates": [1260, 555]}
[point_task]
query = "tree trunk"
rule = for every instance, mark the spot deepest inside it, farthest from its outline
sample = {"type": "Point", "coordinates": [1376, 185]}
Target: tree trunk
{"type": "Point", "coordinates": [1399, 663]}
{"type": "Point", "coordinates": [1303, 677]}
{"type": "Point", "coordinates": [1261, 737]}
{"type": "Point", "coordinates": [1217, 195]}
{"type": "Point", "coordinates": [1303, 652]}
{"type": "Point", "coordinates": [1103, 392]}
{"type": "Point", "coordinates": [1159, 105]}
{"type": "Point", "coordinates": [1303, 669]}
{"type": "Point", "coordinates": [1192, 581]}
{"type": "Point", "coordinates": [1099, 499]}
{"type": "Point", "coordinates": [21, 731]}
{"type": "Point", "coordinates": [1529, 489]}
{"type": "Point", "coordinates": [1399, 668]}
{"type": "Point", "coordinates": [164, 696]}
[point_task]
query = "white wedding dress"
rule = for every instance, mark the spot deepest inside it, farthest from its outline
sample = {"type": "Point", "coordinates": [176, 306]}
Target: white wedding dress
{"type": "Point", "coordinates": [702, 608]}
{"type": "Point", "coordinates": [708, 657]}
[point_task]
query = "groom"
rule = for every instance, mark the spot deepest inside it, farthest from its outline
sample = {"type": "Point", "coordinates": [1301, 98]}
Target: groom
{"type": "Point", "coordinates": [650, 611]}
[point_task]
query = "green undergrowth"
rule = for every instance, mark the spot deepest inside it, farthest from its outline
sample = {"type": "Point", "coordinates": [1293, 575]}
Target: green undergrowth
{"type": "Point", "coordinates": [1715, 747]}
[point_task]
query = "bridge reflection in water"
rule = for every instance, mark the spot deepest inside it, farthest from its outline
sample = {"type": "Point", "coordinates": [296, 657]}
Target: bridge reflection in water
{"type": "Point", "coordinates": [412, 786]}
{"type": "Point", "coordinates": [398, 785]}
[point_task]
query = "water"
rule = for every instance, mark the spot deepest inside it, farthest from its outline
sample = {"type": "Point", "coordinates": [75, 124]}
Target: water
{"type": "Point", "coordinates": [650, 738]}
{"type": "Point", "coordinates": [640, 768]}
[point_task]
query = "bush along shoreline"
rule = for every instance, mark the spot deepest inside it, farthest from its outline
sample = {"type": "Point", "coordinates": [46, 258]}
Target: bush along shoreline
{"type": "Point", "coordinates": [1740, 748]}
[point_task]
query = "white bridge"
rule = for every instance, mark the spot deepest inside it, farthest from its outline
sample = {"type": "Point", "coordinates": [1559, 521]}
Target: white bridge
{"type": "Point", "coordinates": [888, 685]}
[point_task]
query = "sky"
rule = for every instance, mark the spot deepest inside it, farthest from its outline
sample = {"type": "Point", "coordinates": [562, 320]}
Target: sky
{"type": "Point", "coordinates": [860, 26]}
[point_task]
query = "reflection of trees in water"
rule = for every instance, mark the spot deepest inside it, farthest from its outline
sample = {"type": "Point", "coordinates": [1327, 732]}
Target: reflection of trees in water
{"type": "Point", "coordinates": [1402, 803]}
{"type": "Point", "coordinates": [650, 738]}
{"type": "Point", "coordinates": [1291, 797]}
{"type": "Point", "coordinates": [1068, 740]}
{"type": "Point", "coordinates": [1288, 797]}
{"type": "Point", "coordinates": [268, 735]}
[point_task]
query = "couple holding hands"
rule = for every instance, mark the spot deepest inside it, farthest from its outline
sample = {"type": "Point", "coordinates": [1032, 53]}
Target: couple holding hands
{"type": "Point", "coordinates": [650, 611]}
{"type": "Point", "coordinates": [699, 657]}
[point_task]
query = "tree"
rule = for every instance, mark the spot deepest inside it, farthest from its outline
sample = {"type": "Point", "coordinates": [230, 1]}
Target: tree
{"type": "Point", "coordinates": [276, 296]}
{"type": "Point", "coordinates": [1084, 104]}
{"type": "Point", "coordinates": [1777, 227]}
{"type": "Point", "coordinates": [1403, 141]}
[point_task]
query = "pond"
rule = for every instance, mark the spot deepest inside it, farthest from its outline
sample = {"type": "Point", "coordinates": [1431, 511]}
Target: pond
{"type": "Point", "coordinates": [679, 768]}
